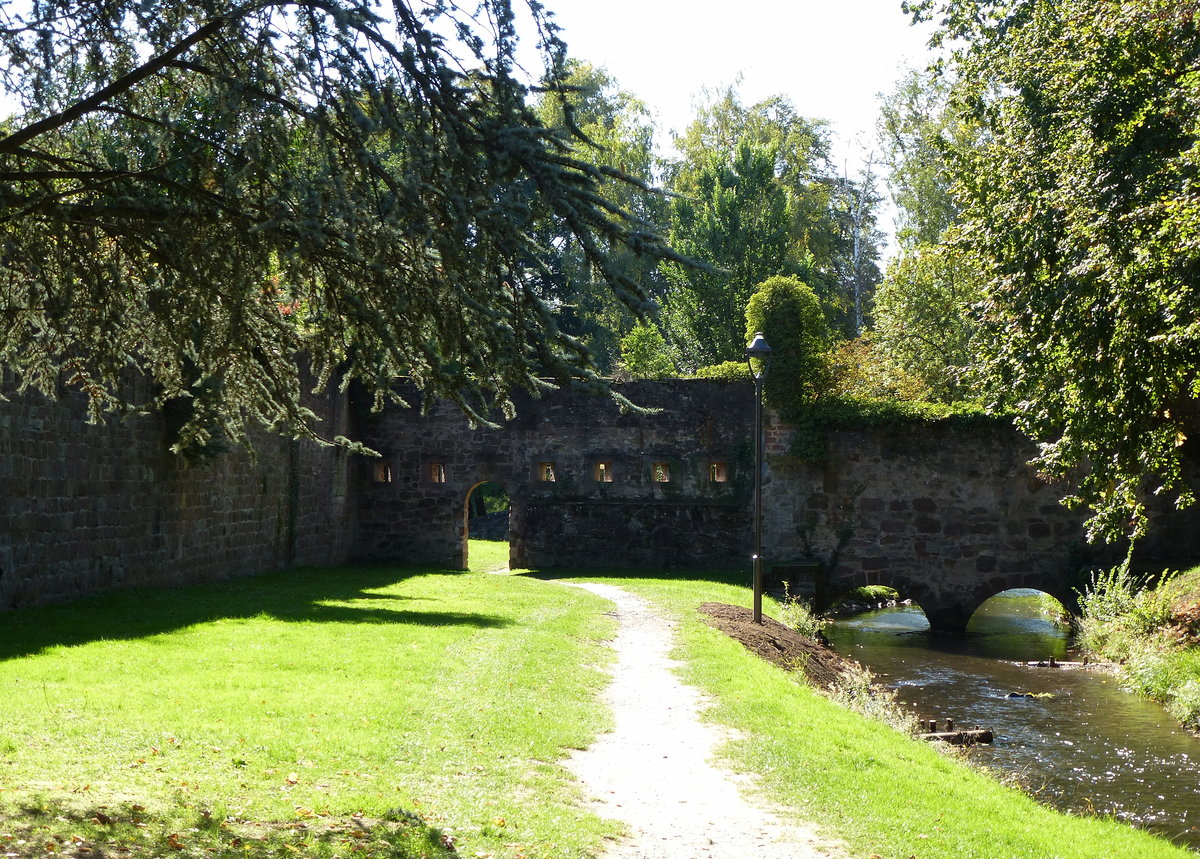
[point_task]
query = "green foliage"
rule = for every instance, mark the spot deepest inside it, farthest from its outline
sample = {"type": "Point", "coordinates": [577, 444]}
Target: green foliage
{"type": "Point", "coordinates": [645, 353]}
{"type": "Point", "coordinates": [1079, 208]}
{"type": "Point", "coordinates": [617, 135]}
{"type": "Point", "coordinates": [814, 422]}
{"type": "Point", "coordinates": [738, 224]}
{"type": "Point", "coordinates": [832, 242]}
{"type": "Point", "coordinates": [926, 310]}
{"type": "Point", "coordinates": [487, 498]}
{"type": "Point", "coordinates": [728, 371]}
{"type": "Point", "coordinates": [1137, 621]}
{"type": "Point", "coordinates": [918, 132]}
{"type": "Point", "coordinates": [200, 191]}
{"type": "Point", "coordinates": [1119, 608]}
{"type": "Point", "coordinates": [789, 316]}
{"type": "Point", "coordinates": [926, 320]}
{"type": "Point", "coordinates": [797, 614]}
{"type": "Point", "coordinates": [863, 370]}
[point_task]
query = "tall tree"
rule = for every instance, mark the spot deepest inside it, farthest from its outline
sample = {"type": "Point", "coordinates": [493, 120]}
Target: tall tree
{"type": "Point", "coordinates": [198, 191]}
{"type": "Point", "coordinates": [926, 308]}
{"type": "Point", "coordinates": [822, 201]}
{"type": "Point", "coordinates": [1080, 209]}
{"type": "Point", "coordinates": [855, 204]}
{"type": "Point", "coordinates": [737, 222]}
{"type": "Point", "coordinates": [617, 132]}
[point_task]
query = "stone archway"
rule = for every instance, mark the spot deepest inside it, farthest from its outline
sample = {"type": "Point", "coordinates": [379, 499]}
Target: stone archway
{"type": "Point", "coordinates": [487, 513]}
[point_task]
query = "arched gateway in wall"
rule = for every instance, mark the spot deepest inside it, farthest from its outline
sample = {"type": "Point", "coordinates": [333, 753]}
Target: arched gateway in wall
{"type": "Point", "coordinates": [948, 515]}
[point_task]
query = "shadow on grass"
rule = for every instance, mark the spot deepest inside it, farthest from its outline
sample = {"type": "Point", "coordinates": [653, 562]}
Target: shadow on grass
{"type": "Point", "coordinates": [47, 827]}
{"type": "Point", "coordinates": [723, 575]}
{"type": "Point", "coordinates": [298, 595]}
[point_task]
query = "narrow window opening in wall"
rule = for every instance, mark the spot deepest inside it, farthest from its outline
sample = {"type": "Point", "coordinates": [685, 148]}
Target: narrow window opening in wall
{"type": "Point", "coordinates": [661, 472]}
{"type": "Point", "coordinates": [603, 472]}
{"type": "Point", "coordinates": [437, 472]}
{"type": "Point", "coordinates": [383, 472]}
{"type": "Point", "coordinates": [546, 472]}
{"type": "Point", "coordinates": [717, 472]}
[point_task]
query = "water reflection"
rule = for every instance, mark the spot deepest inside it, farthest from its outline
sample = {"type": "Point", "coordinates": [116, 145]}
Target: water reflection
{"type": "Point", "coordinates": [1080, 743]}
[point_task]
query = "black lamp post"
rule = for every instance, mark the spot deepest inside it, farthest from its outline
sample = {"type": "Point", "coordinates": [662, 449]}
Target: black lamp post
{"type": "Point", "coordinates": [758, 352]}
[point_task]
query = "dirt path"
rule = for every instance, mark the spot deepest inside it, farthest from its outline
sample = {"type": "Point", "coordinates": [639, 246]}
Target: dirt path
{"type": "Point", "coordinates": [654, 771]}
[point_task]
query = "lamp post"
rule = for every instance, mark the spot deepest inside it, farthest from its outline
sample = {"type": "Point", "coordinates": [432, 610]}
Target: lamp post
{"type": "Point", "coordinates": [758, 351]}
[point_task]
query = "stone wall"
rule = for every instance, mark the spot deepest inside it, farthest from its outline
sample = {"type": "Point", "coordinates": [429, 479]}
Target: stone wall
{"type": "Point", "coordinates": [949, 515]}
{"type": "Point", "coordinates": [608, 502]}
{"type": "Point", "coordinates": [89, 507]}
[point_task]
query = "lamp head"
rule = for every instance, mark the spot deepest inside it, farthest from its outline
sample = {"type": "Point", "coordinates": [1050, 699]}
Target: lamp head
{"type": "Point", "coordinates": [759, 349]}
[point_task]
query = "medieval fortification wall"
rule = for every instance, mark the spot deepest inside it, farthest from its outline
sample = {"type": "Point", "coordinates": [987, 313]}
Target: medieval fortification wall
{"type": "Point", "coordinates": [87, 507]}
{"type": "Point", "coordinates": [949, 514]}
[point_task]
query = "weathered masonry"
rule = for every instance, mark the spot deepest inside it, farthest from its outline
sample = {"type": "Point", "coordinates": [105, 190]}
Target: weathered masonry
{"type": "Point", "coordinates": [589, 485]}
{"type": "Point", "coordinates": [87, 507]}
{"type": "Point", "coordinates": [948, 515]}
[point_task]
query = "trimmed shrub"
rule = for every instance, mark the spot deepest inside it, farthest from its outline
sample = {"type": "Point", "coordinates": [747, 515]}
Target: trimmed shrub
{"type": "Point", "coordinates": [789, 315]}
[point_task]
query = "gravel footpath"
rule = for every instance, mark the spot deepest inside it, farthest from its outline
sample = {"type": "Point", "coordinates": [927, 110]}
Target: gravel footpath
{"type": "Point", "coordinates": [654, 771]}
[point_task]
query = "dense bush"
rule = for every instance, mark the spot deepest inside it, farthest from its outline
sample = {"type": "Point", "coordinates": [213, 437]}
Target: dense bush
{"type": "Point", "coordinates": [729, 371]}
{"type": "Point", "coordinates": [789, 315]}
{"type": "Point", "coordinates": [1149, 629]}
{"type": "Point", "coordinates": [797, 614]}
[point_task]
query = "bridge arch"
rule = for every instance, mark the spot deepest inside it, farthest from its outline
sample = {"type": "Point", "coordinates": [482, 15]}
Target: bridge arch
{"type": "Point", "coordinates": [948, 606]}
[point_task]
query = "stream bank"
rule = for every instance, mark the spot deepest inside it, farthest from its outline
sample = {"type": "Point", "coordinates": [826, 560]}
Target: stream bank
{"type": "Point", "coordinates": [1074, 739]}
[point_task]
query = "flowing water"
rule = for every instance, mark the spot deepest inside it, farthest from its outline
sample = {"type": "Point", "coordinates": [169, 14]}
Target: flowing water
{"type": "Point", "coordinates": [1081, 744]}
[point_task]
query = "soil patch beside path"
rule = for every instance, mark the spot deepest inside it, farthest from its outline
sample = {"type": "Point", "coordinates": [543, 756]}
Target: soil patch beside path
{"type": "Point", "coordinates": [777, 643]}
{"type": "Point", "coordinates": [655, 770]}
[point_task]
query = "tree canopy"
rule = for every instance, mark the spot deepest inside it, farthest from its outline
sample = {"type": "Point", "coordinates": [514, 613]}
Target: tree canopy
{"type": "Point", "coordinates": [738, 222]}
{"type": "Point", "coordinates": [199, 191]}
{"type": "Point", "coordinates": [925, 309]}
{"type": "Point", "coordinates": [619, 134]}
{"type": "Point", "coordinates": [1079, 207]}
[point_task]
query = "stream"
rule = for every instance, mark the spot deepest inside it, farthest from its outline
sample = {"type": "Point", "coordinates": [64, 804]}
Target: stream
{"type": "Point", "coordinates": [1082, 745]}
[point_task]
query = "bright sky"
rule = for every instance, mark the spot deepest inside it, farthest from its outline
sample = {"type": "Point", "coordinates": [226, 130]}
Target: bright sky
{"type": "Point", "coordinates": [830, 57]}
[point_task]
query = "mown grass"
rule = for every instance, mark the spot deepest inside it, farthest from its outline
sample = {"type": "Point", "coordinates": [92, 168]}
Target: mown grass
{"type": "Point", "coordinates": [882, 793]}
{"type": "Point", "coordinates": [370, 712]}
{"type": "Point", "coordinates": [325, 712]}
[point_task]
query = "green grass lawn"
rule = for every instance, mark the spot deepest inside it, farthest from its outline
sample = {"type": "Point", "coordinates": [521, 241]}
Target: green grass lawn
{"type": "Point", "coordinates": [343, 712]}
{"type": "Point", "coordinates": [287, 714]}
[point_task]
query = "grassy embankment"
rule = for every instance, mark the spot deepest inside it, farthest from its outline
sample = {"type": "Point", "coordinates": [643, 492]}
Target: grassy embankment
{"type": "Point", "coordinates": [296, 714]}
{"type": "Point", "coordinates": [1154, 632]}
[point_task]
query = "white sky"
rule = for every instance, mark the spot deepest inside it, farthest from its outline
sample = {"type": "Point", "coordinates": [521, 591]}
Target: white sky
{"type": "Point", "coordinates": [830, 57]}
